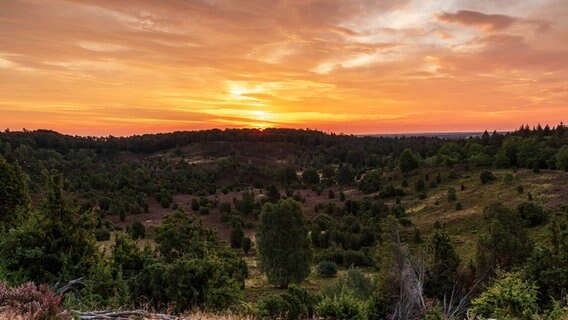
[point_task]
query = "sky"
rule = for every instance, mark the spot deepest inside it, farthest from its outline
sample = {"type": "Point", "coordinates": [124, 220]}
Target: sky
{"type": "Point", "coordinates": [99, 67]}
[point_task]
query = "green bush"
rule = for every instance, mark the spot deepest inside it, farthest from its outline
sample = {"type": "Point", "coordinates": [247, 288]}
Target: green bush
{"type": "Point", "coordinates": [341, 308]}
{"type": "Point", "coordinates": [509, 297]}
{"type": "Point", "coordinates": [486, 176]}
{"type": "Point", "coordinates": [295, 303]}
{"type": "Point", "coordinates": [331, 254]}
{"type": "Point", "coordinates": [459, 206]}
{"type": "Point", "coordinates": [136, 230]}
{"type": "Point", "coordinates": [327, 268]}
{"type": "Point", "coordinates": [247, 243]}
{"type": "Point", "coordinates": [532, 214]}
{"type": "Point", "coordinates": [237, 236]}
{"type": "Point", "coordinates": [273, 307]}
{"type": "Point", "coordinates": [452, 194]}
{"type": "Point", "coordinates": [204, 210]}
{"type": "Point", "coordinates": [195, 204]}
{"type": "Point", "coordinates": [355, 258]}
{"type": "Point", "coordinates": [102, 234]}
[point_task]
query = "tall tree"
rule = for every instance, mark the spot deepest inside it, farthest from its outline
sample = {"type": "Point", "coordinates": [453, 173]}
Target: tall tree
{"type": "Point", "coordinates": [13, 194]}
{"type": "Point", "coordinates": [407, 161]}
{"type": "Point", "coordinates": [56, 243]}
{"type": "Point", "coordinates": [443, 262]}
{"type": "Point", "coordinates": [283, 243]}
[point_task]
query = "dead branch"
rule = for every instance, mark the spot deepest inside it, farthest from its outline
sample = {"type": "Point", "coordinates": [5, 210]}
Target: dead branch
{"type": "Point", "coordinates": [124, 315]}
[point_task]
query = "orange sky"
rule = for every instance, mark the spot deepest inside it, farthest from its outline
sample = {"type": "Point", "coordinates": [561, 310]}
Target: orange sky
{"type": "Point", "coordinates": [355, 66]}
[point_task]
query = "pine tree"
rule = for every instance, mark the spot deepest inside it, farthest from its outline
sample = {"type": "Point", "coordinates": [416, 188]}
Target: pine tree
{"type": "Point", "coordinates": [283, 243]}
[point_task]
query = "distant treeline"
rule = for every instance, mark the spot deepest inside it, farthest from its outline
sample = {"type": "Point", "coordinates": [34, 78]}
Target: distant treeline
{"type": "Point", "coordinates": [501, 149]}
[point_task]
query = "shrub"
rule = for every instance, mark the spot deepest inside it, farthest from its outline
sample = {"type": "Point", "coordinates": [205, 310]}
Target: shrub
{"type": "Point", "coordinates": [30, 301]}
{"type": "Point", "coordinates": [104, 203]}
{"type": "Point", "coordinates": [237, 236]}
{"type": "Point", "coordinates": [341, 196]}
{"type": "Point", "coordinates": [452, 194]}
{"type": "Point", "coordinates": [134, 208]}
{"type": "Point", "coordinates": [486, 176]}
{"type": "Point", "coordinates": [203, 211]}
{"type": "Point", "coordinates": [371, 182]}
{"type": "Point", "coordinates": [273, 307]}
{"type": "Point", "coordinates": [331, 194]}
{"type": "Point", "coordinates": [341, 308]}
{"type": "Point", "coordinates": [136, 230]}
{"type": "Point", "coordinates": [508, 178]}
{"type": "Point", "coordinates": [355, 258]}
{"type": "Point", "coordinates": [195, 204]}
{"type": "Point", "coordinates": [247, 244]}
{"type": "Point", "coordinates": [509, 297]}
{"type": "Point", "coordinates": [327, 268]}
{"type": "Point", "coordinates": [225, 207]}
{"type": "Point", "coordinates": [102, 234]}
{"type": "Point", "coordinates": [165, 202]}
{"type": "Point", "coordinates": [295, 303]}
{"type": "Point", "coordinates": [335, 255]}
{"type": "Point", "coordinates": [520, 189]}
{"type": "Point", "coordinates": [532, 214]}
{"type": "Point", "coordinates": [458, 206]}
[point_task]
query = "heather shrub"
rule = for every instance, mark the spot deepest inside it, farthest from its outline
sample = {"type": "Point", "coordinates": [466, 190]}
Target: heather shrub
{"type": "Point", "coordinates": [30, 301]}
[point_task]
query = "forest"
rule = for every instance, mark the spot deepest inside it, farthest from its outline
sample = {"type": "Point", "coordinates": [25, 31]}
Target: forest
{"type": "Point", "coordinates": [285, 224]}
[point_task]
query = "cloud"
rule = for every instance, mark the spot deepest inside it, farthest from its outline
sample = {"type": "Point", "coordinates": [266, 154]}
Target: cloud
{"type": "Point", "coordinates": [385, 63]}
{"type": "Point", "coordinates": [485, 22]}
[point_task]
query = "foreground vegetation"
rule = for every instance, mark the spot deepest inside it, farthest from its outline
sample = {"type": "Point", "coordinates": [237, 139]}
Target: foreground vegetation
{"type": "Point", "coordinates": [286, 224]}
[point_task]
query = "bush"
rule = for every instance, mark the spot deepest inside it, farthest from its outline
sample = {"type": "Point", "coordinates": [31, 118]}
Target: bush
{"type": "Point", "coordinates": [102, 234]}
{"type": "Point", "coordinates": [331, 194]}
{"type": "Point", "coordinates": [136, 230]}
{"type": "Point", "coordinates": [341, 308]}
{"type": "Point", "coordinates": [165, 202]}
{"type": "Point", "coordinates": [486, 176]}
{"type": "Point", "coordinates": [458, 206]}
{"type": "Point", "coordinates": [104, 203]}
{"type": "Point", "coordinates": [520, 189]}
{"type": "Point", "coordinates": [508, 178]}
{"type": "Point", "coordinates": [30, 301]}
{"type": "Point", "coordinates": [355, 258]}
{"type": "Point", "coordinates": [295, 303]}
{"type": "Point", "coordinates": [371, 182]}
{"type": "Point", "coordinates": [327, 268]}
{"type": "Point", "coordinates": [195, 204]}
{"type": "Point", "coordinates": [419, 185]}
{"type": "Point", "coordinates": [204, 211]}
{"type": "Point", "coordinates": [225, 207]}
{"type": "Point", "coordinates": [452, 194]}
{"type": "Point", "coordinates": [335, 255]}
{"type": "Point", "coordinates": [532, 214]}
{"type": "Point", "coordinates": [509, 297]}
{"type": "Point", "coordinates": [273, 307]}
{"type": "Point", "coordinates": [134, 208]}
{"type": "Point", "coordinates": [237, 236]}
{"type": "Point", "coordinates": [247, 244]}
